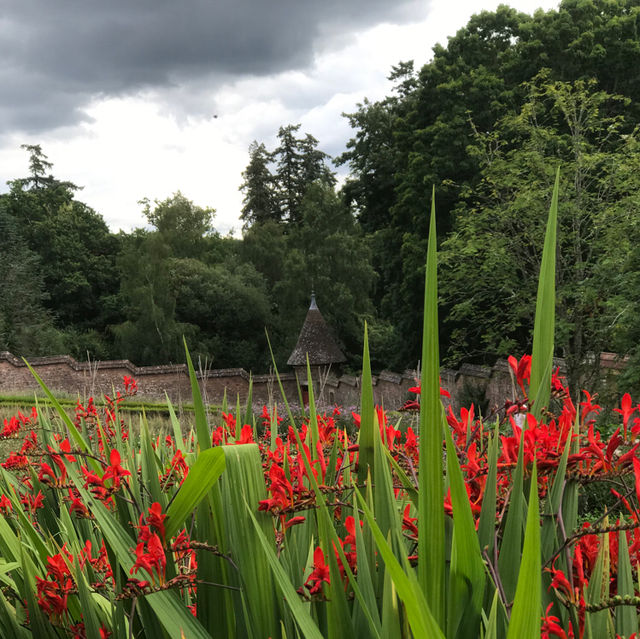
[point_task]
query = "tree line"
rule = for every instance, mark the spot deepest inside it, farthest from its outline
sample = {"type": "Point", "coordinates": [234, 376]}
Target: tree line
{"type": "Point", "coordinates": [486, 123]}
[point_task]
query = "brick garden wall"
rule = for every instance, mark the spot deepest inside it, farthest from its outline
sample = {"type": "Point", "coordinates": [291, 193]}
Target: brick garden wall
{"type": "Point", "coordinates": [64, 374]}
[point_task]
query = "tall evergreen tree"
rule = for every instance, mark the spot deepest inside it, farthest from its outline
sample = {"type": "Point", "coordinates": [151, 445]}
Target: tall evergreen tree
{"type": "Point", "coordinates": [289, 176]}
{"type": "Point", "coordinates": [260, 203]}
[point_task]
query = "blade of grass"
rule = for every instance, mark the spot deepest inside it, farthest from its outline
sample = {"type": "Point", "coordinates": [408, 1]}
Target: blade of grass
{"type": "Point", "coordinates": [167, 605]}
{"type": "Point", "coordinates": [248, 407]}
{"type": "Point", "coordinates": [329, 531]}
{"type": "Point", "coordinates": [626, 616]}
{"type": "Point", "coordinates": [367, 433]}
{"type": "Point", "coordinates": [202, 427]}
{"type": "Point", "coordinates": [544, 326]}
{"type": "Point", "coordinates": [243, 483]}
{"type": "Point", "coordinates": [303, 619]}
{"type": "Point", "coordinates": [486, 525]}
{"type": "Point", "coordinates": [467, 572]}
{"type": "Point", "coordinates": [511, 547]}
{"type": "Point", "coordinates": [421, 620]}
{"type": "Point", "coordinates": [177, 430]}
{"type": "Point", "coordinates": [406, 482]}
{"type": "Point", "coordinates": [77, 437]}
{"type": "Point", "coordinates": [526, 613]}
{"type": "Point", "coordinates": [431, 546]}
{"type": "Point", "coordinates": [491, 628]}
{"type": "Point", "coordinates": [596, 623]}
{"type": "Point", "coordinates": [313, 417]}
{"type": "Point", "coordinates": [206, 470]}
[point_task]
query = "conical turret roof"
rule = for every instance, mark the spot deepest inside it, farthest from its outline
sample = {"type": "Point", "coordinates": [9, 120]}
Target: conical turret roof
{"type": "Point", "coordinates": [315, 339]}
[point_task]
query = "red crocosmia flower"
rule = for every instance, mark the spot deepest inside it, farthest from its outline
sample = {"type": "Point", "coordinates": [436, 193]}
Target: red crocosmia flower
{"type": "Point", "coordinates": [115, 470]}
{"type": "Point", "coordinates": [626, 410]}
{"type": "Point", "coordinates": [588, 406]}
{"type": "Point", "coordinates": [522, 370]}
{"type": "Point", "coordinates": [348, 545]}
{"type": "Point", "coordinates": [47, 476]}
{"type": "Point", "coordinates": [30, 443]}
{"type": "Point", "coordinates": [52, 593]}
{"type": "Point", "coordinates": [418, 389]}
{"type": "Point", "coordinates": [409, 523]}
{"type": "Point", "coordinates": [11, 426]}
{"type": "Point", "coordinates": [57, 566]}
{"type": "Point", "coordinates": [97, 485]}
{"type": "Point", "coordinates": [230, 422]}
{"type": "Point", "coordinates": [130, 385]}
{"type": "Point", "coordinates": [410, 404]}
{"type": "Point", "coordinates": [294, 521]}
{"type": "Point", "coordinates": [636, 472]}
{"type": "Point", "coordinates": [281, 491]}
{"type": "Point", "coordinates": [153, 560]}
{"type": "Point", "coordinates": [319, 574]}
{"type": "Point", "coordinates": [51, 599]}
{"type": "Point", "coordinates": [552, 628]}
{"type": "Point", "coordinates": [158, 558]}
{"type": "Point", "coordinates": [218, 436]}
{"type": "Point", "coordinates": [246, 435]}
{"type": "Point", "coordinates": [356, 419]}
{"type": "Point", "coordinates": [560, 582]}
{"type": "Point", "coordinates": [556, 384]}
{"type": "Point", "coordinates": [156, 518]}
{"type": "Point", "coordinates": [143, 560]}
{"type": "Point", "coordinates": [5, 504]}
{"type": "Point", "coordinates": [15, 462]}
{"type": "Point", "coordinates": [411, 444]}
{"type": "Point", "coordinates": [33, 502]}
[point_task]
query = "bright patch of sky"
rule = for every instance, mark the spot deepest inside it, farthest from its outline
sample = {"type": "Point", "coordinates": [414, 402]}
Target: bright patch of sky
{"type": "Point", "coordinates": [177, 113]}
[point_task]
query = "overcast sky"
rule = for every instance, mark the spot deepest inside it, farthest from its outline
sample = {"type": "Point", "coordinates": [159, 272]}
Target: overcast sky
{"type": "Point", "coordinates": [123, 96]}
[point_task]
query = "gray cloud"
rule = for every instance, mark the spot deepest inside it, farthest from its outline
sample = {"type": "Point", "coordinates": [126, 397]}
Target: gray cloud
{"type": "Point", "coordinates": [57, 56]}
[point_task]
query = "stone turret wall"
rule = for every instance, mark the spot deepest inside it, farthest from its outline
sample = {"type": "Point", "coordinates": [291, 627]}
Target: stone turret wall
{"type": "Point", "coordinates": [65, 375]}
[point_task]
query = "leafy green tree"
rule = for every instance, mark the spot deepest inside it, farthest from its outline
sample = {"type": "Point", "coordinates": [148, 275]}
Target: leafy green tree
{"type": "Point", "coordinates": [76, 251]}
{"type": "Point", "coordinates": [182, 225]}
{"type": "Point", "coordinates": [376, 158]}
{"type": "Point", "coordinates": [265, 246]}
{"type": "Point", "coordinates": [183, 279]}
{"type": "Point", "coordinates": [150, 333]}
{"type": "Point", "coordinates": [425, 133]}
{"type": "Point", "coordinates": [226, 307]}
{"type": "Point", "coordinates": [290, 186]}
{"type": "Point", "coordinates": [491, 260]}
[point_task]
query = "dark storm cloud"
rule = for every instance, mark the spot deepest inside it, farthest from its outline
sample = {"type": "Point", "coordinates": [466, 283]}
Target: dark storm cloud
{"type": "Point", "coordinates": [56, 56]}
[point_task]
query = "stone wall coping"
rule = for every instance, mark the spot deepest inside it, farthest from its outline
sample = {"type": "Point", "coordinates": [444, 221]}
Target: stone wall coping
{"type": "Point", "coordinates": [390, 376]}
{"type": "Point", "coordinates": [90, 367]}
{"type": "Point", "coordinates": [474, 370]}
{"type": "Point", "coordinates": [502, 366]}
{"type": "Point", "coordinates": [350, 380]}
{"type": "Point", "coordinates": [271, 377]}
